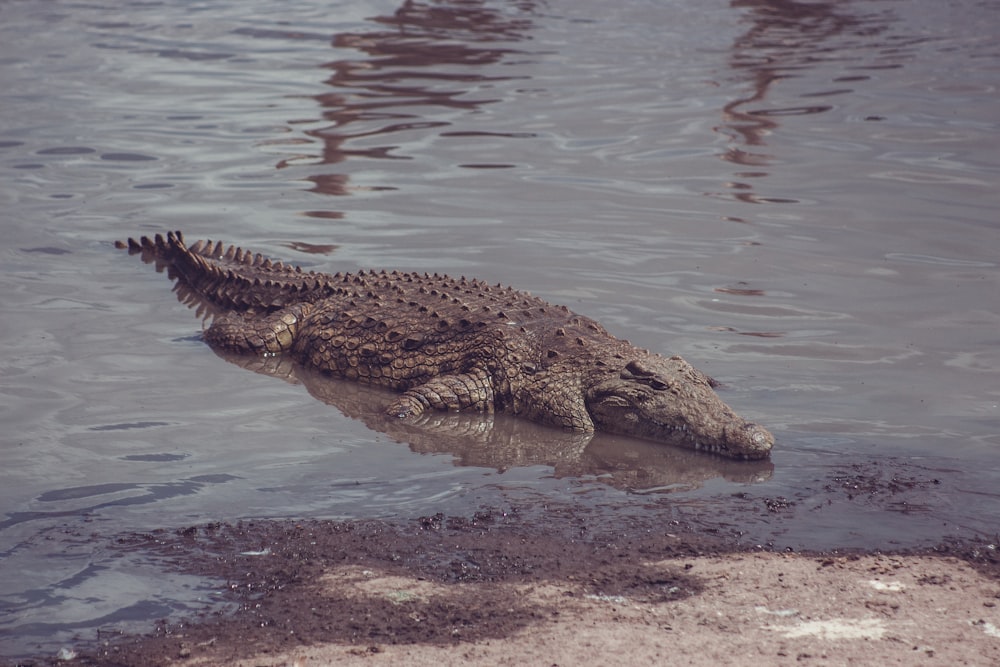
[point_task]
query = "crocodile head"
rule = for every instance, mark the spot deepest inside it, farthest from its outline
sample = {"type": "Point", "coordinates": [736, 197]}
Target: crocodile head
{"type": "Point", "coordinates": [668, 400]}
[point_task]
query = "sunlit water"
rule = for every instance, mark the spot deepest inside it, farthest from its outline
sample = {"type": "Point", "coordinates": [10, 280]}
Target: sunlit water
{"type": "Point", "coordinates": [800, 198]}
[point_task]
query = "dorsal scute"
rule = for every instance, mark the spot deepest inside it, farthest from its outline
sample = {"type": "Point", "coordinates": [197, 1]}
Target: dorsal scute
{"type": "Point", "coordinates": [229, 277]}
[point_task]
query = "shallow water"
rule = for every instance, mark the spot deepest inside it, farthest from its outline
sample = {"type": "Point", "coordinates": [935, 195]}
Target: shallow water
{"type": "Point", "coordinates": [800, 198]}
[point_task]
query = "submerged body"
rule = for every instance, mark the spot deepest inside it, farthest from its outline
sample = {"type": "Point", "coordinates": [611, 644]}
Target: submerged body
{"type": "Point", "coordinates": [453, 344]}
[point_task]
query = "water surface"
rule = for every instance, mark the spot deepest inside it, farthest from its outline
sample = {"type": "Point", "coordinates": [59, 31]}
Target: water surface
{"type": "Point", "coordinates": [797, 197]}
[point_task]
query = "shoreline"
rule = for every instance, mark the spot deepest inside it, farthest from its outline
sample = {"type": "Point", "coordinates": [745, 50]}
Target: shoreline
{"type": "Point", "coordinates": [501, 588]}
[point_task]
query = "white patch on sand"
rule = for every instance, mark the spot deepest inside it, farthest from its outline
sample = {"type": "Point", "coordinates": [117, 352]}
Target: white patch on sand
{"type": "Point", "coordinates": [889, 586]}
{"type": "Point", "coordinates": [776, 612]}
{"type": "Point", "coordinates": [614, 599]}
{"type": "Point", "coordinates": [988, 628]}
{"type": "Point", "coordinates": [836, 628]}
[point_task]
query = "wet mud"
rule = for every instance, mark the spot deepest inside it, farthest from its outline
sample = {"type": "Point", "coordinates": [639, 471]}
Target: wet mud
{"type": "Point", "coordinates": [435, 580]}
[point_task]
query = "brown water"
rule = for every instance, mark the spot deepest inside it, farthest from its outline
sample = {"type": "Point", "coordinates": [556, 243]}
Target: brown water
{"type": "Point", "coordinates": [799, 197]}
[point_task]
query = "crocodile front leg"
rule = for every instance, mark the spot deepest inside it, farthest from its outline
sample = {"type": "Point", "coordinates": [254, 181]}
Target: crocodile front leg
{"type": "Point", "coordinates": [251, 333]}
{"type": "Point", "coordinates": [462, 391]}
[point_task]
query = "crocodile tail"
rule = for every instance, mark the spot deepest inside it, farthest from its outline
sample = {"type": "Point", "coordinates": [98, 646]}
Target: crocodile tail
{"type": "Point", "coordinates": [209, 274]}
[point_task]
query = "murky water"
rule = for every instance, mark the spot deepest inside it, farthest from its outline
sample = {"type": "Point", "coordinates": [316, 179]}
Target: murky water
{"type": "Point", "coordinates": [799, 197]}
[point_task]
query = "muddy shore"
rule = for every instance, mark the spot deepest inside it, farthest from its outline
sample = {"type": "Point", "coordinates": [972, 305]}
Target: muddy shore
{"type": "Point", "coordinates": [501, 588]}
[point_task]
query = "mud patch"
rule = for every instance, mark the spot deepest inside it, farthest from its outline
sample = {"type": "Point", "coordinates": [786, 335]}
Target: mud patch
{"type": "Point", "coordinates": [500, 588]}
{"type": "Point", "coordinates": [435, 580]}
{"type": "Point", "coordinates": [535, 574]}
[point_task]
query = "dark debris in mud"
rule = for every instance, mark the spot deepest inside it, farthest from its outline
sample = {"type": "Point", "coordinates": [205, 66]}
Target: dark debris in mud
{"type": "Point", "coordinates": [869, 479]}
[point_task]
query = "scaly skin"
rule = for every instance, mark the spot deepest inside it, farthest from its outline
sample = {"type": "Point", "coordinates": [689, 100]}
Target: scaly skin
{"type": "Point", "coordinates": [452, 344]}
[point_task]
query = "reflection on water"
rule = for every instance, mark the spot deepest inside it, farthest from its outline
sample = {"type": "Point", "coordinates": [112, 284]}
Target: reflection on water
{"type": "Point", "coordinates": [424, 57]}
{"type": "Point", "coordinates": [785, 38]}
{"type": "Point", "coordinates": [97, 497]}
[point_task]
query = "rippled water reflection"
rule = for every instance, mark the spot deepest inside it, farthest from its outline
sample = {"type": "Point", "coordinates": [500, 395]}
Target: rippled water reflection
{"type": "Point", "coordinates": [798, 197]}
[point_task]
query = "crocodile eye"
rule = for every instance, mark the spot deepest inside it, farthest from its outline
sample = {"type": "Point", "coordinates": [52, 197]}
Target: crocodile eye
{"type": "Point", "coordinates": [658, 385]}
{"type": "Point", "coordinates": [637, 370]}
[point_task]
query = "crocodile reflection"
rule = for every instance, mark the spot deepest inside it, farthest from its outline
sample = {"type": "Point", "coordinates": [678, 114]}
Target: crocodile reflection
{"type": "Point", "coordinates": [501, 442]}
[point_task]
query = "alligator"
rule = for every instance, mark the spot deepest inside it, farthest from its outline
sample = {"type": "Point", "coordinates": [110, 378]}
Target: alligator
{"type": "Point", "coordinates": [446, 343]}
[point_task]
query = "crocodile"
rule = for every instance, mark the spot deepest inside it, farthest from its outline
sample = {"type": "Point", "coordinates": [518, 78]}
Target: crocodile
{"type": "Point", "coordinates": [502, 442]}
{"type": "Point", "coordinates": [446, 343]}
